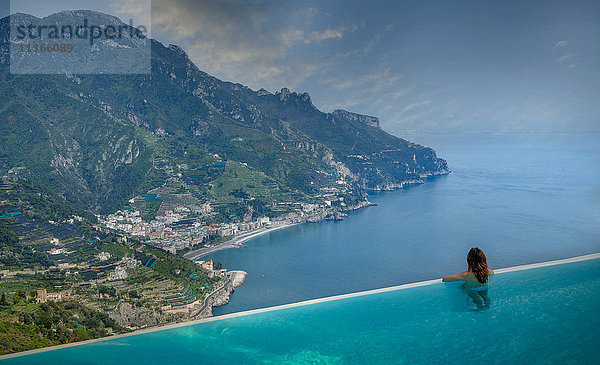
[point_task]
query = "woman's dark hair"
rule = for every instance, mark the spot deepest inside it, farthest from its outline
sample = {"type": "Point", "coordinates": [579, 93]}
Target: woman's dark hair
{"type": "Point", "coordinates": [478, 264]}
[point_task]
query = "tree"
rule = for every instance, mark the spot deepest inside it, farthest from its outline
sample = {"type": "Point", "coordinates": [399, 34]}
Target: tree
{"type": "Point", "coordinates": [7, 236]}
{"type": "Point", "coordinates": [22, 295]}
{"type": "Point", "coordinates": [239, 193]}
{"type": "Point", "coordinates": [106, 290]}
{"type": "Point", "coordinates": [259, 208]}
{"type": "Point", "coordinates": [134, 294]}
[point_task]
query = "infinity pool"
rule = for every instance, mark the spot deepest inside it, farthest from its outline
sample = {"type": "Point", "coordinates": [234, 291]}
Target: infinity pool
{"type": "Point", "coordinates": [538, 315]}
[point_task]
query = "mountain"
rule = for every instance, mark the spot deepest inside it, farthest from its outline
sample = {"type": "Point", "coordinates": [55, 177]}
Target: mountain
{"type": "Point", "coordinates": [90, 52]}
{"type": "Point", "coordinates": [100, 140]}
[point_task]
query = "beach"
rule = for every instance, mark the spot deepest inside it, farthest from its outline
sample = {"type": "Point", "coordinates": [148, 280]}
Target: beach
{"type": "Point", "coordinates": [235, 242]}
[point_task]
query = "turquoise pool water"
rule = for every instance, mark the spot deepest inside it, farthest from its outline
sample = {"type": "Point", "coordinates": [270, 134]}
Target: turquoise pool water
{"type": "Point", "coordinates": [542, 315]}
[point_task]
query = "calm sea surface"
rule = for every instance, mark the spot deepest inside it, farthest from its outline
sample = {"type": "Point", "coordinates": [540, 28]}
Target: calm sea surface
{"type": "Point", "coordinates": [522, 200]}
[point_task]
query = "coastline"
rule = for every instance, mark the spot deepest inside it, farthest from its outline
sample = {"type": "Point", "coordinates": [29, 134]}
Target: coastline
{"type": "Point", "coordinates": [593, 256]}
{"type": "Point", "coordinates": [220, 296]}
{"type": "Point", "coordinates": [235, 242]}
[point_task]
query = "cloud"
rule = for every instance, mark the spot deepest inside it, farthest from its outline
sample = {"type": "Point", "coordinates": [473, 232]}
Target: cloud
{"type": "Point", "coordinates": [247, 41]}
{"type": "Point", "coordinates": [565, 57]}
{"type": "Point", "coordinates": [317, 36]}
{"type": "Point", "coordinates": [382, 63]}
{"type": "Point", "coordinates": [561, 43]}
{"type": "Point", "coordinates": [374, 82]}
{"type": "Point", "coordinates": [139, 11]}
{"type": "Point", "coordinates": [140, 8]}
{"type": "Point", "coordinates": [399, 93]}
{"type": "Point", "coordinates": [368, 46]}
{"type": "Point", "coordinates": [412, 106]}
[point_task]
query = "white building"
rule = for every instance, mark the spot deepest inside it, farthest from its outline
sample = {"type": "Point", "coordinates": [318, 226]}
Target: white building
{"type": "Point", "coordinates": [118, 274]}
{"type": "Point", "coordinates": [57, 251]}
{"type": "Point", "coordinates": [264, 220]}
{"type": "Point", "coordinates": [103, 256]}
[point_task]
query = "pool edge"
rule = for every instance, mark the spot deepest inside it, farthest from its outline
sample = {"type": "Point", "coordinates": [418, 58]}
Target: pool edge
{"type": "Point", "coordinates": [593, 256]}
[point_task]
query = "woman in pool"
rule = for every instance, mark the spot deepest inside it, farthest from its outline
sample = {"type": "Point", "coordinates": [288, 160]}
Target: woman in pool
{"type": "Point", "coordinates": [476, 277]}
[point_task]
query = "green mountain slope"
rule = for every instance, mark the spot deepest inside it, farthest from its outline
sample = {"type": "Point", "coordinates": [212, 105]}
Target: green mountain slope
{"type": "Point", "coordinates": [100, 140]}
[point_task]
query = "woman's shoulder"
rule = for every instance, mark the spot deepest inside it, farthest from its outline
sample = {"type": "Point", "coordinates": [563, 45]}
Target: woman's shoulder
{"type": "Point", "coordinates": [470, 276]}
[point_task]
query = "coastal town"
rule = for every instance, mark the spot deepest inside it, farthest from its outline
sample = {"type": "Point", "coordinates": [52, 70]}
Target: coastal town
{"type": "Point", "coordinates": [182, 228]}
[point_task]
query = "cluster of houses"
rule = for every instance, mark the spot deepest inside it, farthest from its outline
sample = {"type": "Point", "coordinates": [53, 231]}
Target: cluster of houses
{"type": "Point", "coordinates": [44, 296]}
{"type": "Point", "coordinates": [168, 232]}
{"type": "Point", "coordinates": [120, 272]}
{"type": "Point", "coordinates": [124, 220]}
{"type": "Point", "coordinates": [181, 227]}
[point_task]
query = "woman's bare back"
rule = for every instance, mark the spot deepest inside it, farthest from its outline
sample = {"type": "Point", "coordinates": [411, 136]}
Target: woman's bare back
{"type": "Point", "coordinates": [471, 278]}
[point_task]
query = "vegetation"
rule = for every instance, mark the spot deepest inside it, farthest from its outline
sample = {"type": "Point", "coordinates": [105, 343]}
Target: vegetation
{"type": "Point", "coordinates": [38, 202]}
{"type": "Point", "coordinates": [182, 271]}
{"type": "Point", "coordinates": [14, 254]}
{"type": "Point", "coordinates": [116, 249]}
{"type": "Point", "coordinates": [25, 325]}
{"type": "Point", "coordinates": [32, 218]}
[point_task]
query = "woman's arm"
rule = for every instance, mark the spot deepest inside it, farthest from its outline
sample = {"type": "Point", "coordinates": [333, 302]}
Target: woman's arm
{"type": "Point", "coordinates": [455, 277]}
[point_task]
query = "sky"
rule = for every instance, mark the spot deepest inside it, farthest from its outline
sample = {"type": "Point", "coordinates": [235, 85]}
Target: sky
{"type": "Point", "coordinates": [422, 67]}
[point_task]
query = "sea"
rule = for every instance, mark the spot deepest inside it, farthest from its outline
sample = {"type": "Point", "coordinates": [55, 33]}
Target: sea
{"type": "Point", "coordinates": [522, 198]}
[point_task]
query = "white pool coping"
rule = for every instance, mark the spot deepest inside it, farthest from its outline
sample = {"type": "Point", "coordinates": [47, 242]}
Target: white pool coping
{"type": "Point", "coordinates": [593, 256]}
